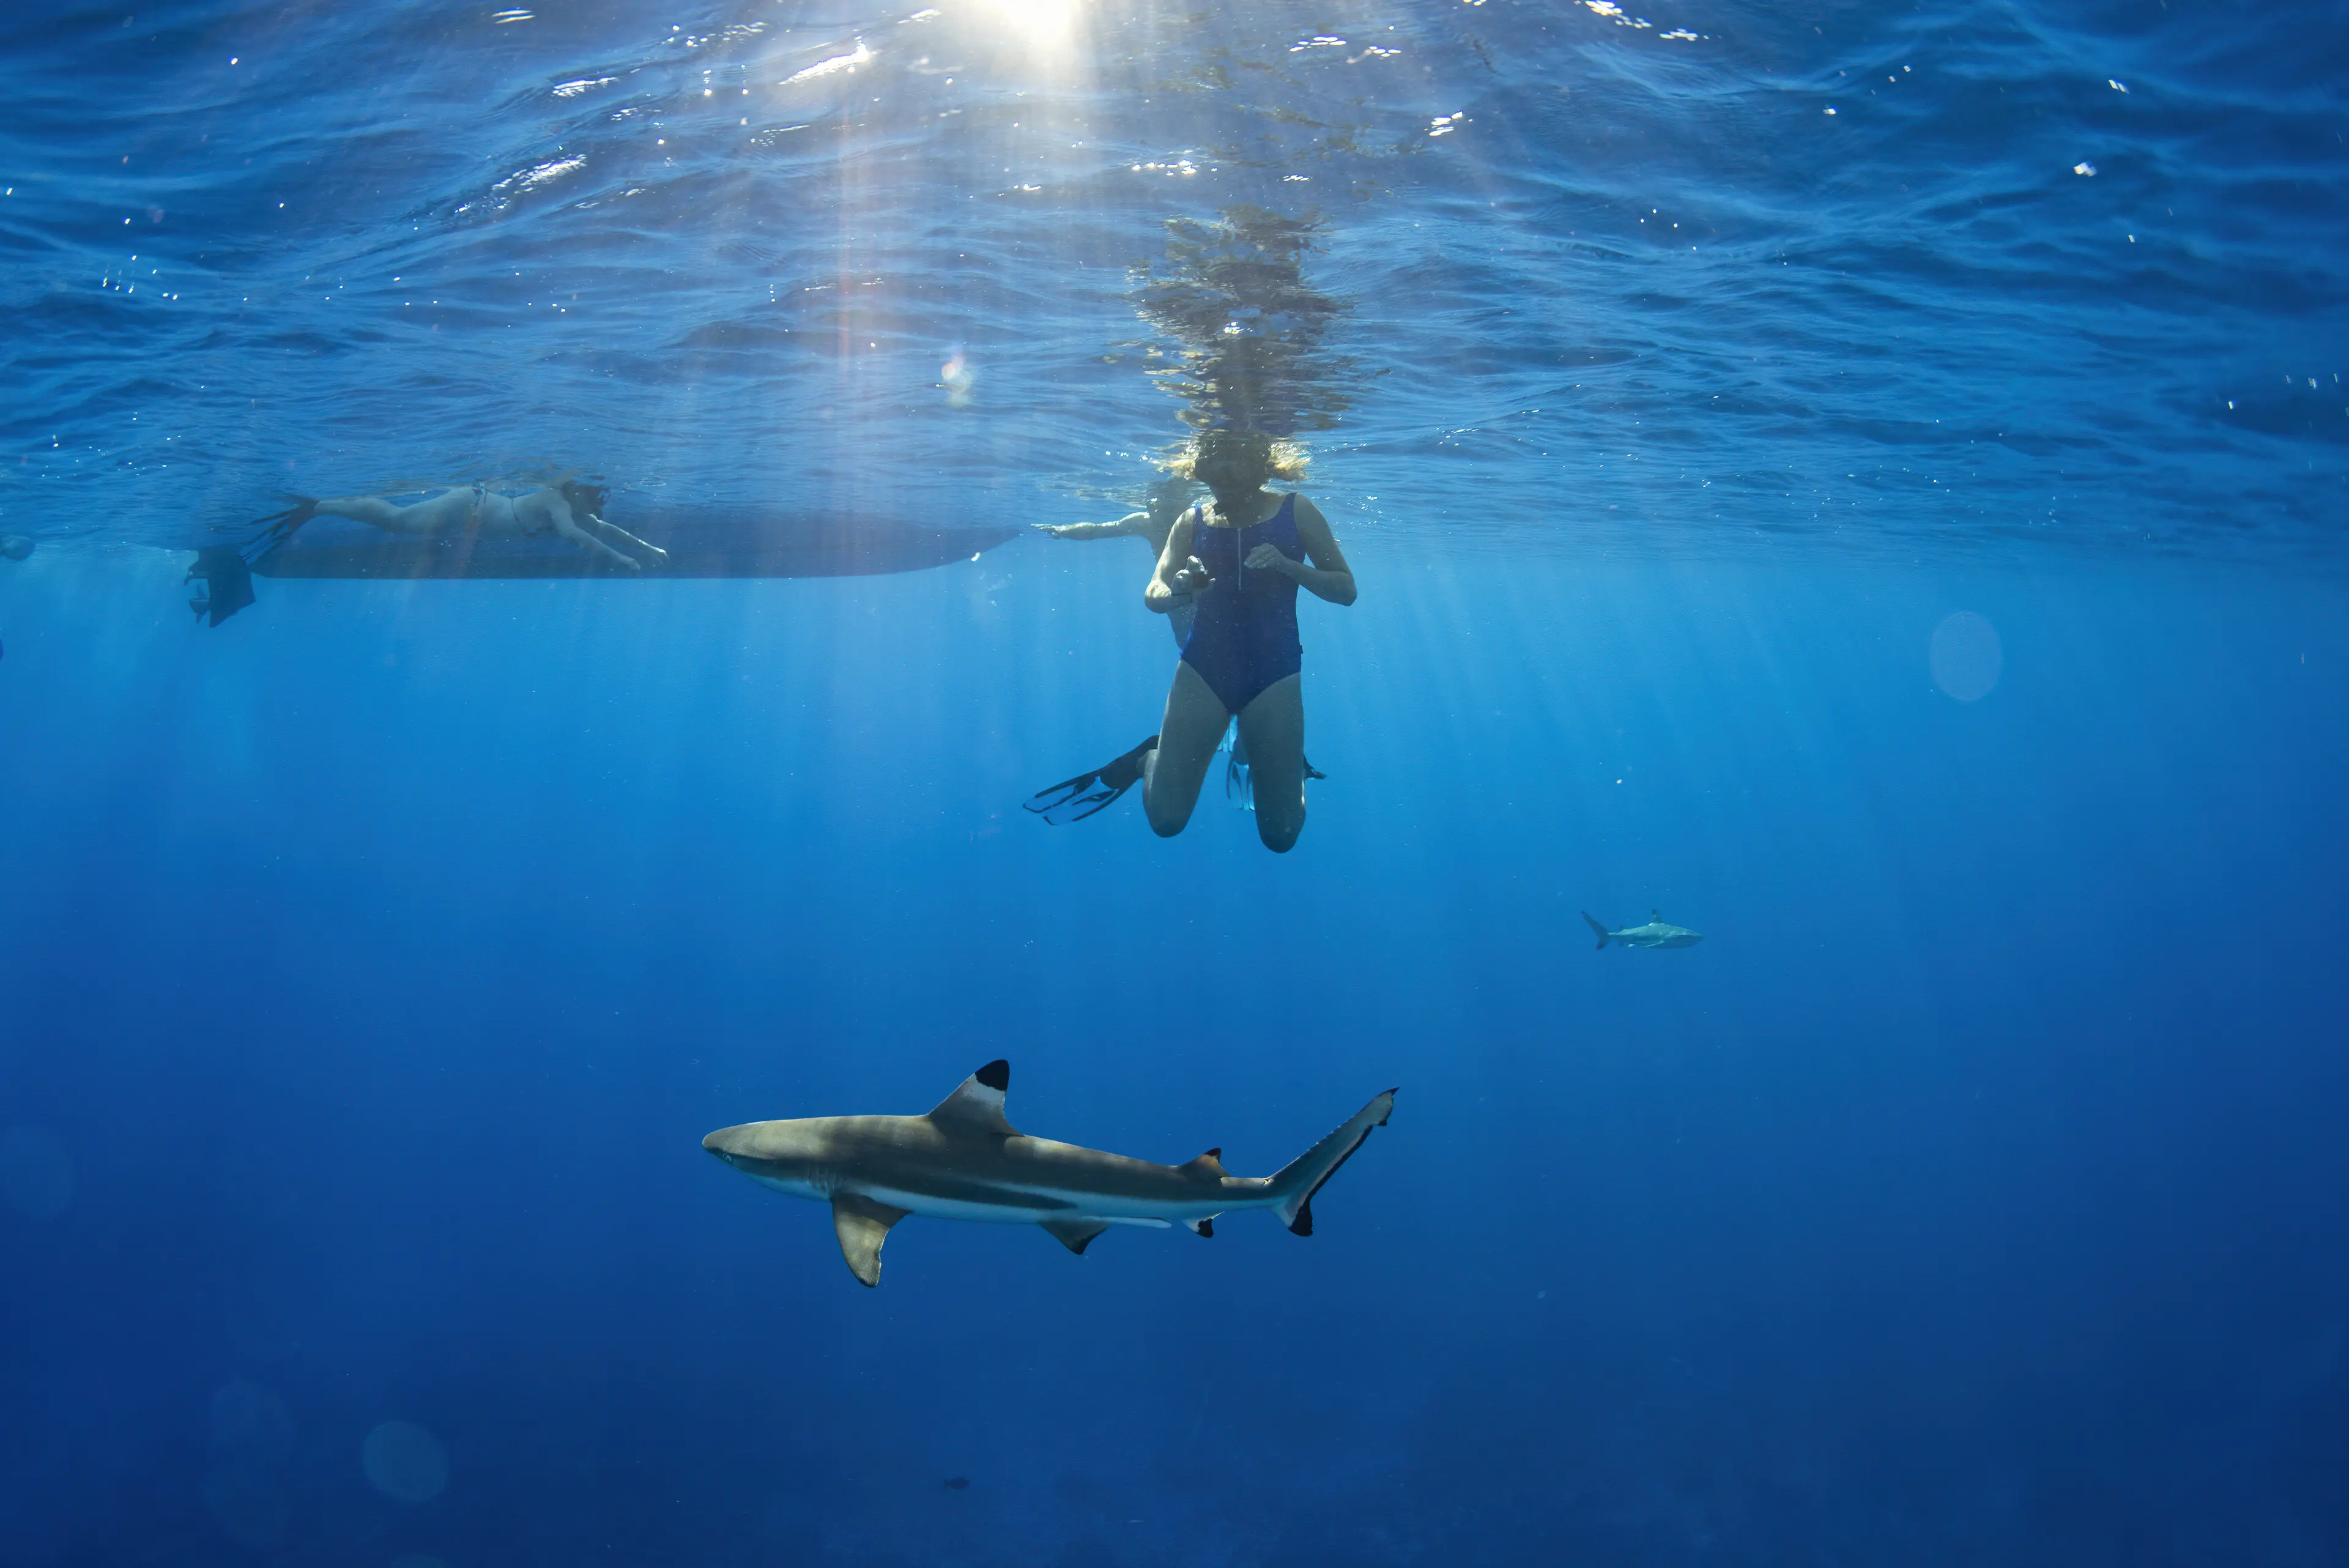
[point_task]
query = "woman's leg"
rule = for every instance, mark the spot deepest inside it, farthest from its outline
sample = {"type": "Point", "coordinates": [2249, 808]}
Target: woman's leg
{"type": "Point", "coordinates": [375, 509]}
{"type": "Point", "coordinates": [1170, 776]}
{"type": "Point", "coordinates": [449, 511]}
{"type": "Point", "coordinates": [1272, 727]}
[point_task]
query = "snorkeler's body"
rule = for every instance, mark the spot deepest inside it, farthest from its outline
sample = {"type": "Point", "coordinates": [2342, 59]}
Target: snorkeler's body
{"type": "Point", "coordinates": [1242, 657]}
{"type": "Point", "coordinates": [568, 509]}
{"type": "Point", "coordinates": [1168, 501]}
{"type": "Point", "coordinates": [1231, 560]}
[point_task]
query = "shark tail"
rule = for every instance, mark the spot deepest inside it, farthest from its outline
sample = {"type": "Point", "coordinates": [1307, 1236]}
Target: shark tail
{"type": "Point", "coordinates": [1597, 925]}
{"type": "Point", "coordinates": [1301, 1177]}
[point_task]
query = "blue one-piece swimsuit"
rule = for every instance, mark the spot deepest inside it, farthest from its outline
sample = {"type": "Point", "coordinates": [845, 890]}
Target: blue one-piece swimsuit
{"type": "Point", "coordinates": [1245, 638]}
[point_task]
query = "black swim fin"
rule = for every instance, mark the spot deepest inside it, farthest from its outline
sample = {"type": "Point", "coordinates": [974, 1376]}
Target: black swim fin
{"type": "Point", "coordinates": [220, 583]}
{"type": "Point", "coordinates": [1073, 800]}
{"type": "Point", "coordinates": [278, 527]}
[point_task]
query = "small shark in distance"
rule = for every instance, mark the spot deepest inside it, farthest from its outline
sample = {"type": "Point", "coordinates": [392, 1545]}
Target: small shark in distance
{"type": "Point", "coordinates": [963, 1161]}
{"type": "Point", "coordinates": [1654, 934]}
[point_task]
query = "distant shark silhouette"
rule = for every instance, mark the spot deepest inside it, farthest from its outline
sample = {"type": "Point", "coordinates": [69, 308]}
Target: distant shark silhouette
{"type": "Point", "coordinates": [1654, 934]}
{"type": "Point", "coordinates": [963, 1161]}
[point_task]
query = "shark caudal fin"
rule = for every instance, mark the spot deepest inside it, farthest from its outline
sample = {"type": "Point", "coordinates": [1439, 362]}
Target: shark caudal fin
{"type": "Point", "coordinates": [1301, 1177]}
{"type": "Point", "coordinates": [1597, 925]}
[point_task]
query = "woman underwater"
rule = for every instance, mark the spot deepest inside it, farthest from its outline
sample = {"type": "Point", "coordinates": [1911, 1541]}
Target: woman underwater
{"type": "Point", "coordinates": [1238, 562]}
{"type": "Point", "coordinates": [569, 510]}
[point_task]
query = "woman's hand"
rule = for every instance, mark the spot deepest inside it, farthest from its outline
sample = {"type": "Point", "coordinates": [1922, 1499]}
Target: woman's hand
{"type": "Point", "coordinates": [1268, 558]}
{"type": "Point", "coordinates": [1193, 578]}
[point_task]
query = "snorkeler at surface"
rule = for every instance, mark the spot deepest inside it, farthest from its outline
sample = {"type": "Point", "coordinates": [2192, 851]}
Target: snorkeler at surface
{"type": "Point", "coordinates": [1169, 499]}
{"type": "Point", "coordinates": [568, 509]}
{"type": "Point", "coordinates": [1238, 562]}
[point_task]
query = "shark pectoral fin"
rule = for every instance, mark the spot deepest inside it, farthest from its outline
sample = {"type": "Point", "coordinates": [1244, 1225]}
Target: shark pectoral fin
{"type": "Point", "coordinates": [1209, 1164]}
{"type": "Point", "coordinates": [979, 1103]}
{"type": "Point", "coordinates": [862, 1225]}
{"type": "Point", "coordinates": [1076, 1235]}
{"type": "Point", "coordinates": [1201, 1227]}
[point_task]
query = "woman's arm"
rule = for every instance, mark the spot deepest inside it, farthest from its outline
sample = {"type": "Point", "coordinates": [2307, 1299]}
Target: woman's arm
{"type": "Point", "coordinates": [1133, 523]}
{"type": "Point", "coordinates": [1329, 578]}
{"type": "Point", "coordinates": [1180, 575]}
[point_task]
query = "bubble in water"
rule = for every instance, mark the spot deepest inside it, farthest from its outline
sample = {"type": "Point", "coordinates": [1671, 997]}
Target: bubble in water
{"type": "Point", "coordinates": [1966, 657]}
{"type": "Point", "coordinates": [36, 1175]}
{"type": "Point", "coordinates": [405, 1462]}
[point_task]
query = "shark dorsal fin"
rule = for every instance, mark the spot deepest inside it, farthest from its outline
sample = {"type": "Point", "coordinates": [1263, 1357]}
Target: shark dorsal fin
{"type": "Point", "coordinates": [1209, 1164]}
{"type": "Point", "coordinates": [1657, 916]}
{"type": "Point", "coordinates": [977, 1106]}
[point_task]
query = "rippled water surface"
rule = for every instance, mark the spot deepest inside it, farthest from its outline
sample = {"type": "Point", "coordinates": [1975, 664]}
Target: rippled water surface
{"type": "Point", "coordinates": [1938, 277]}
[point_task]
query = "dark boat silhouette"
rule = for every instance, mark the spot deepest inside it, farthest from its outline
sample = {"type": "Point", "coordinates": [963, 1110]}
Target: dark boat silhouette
{"type": "Point", "coordinates": [701, 541]}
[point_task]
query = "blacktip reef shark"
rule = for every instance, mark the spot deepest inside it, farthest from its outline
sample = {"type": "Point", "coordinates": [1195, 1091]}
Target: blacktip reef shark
{"type": "Point", "coordinates": [1654, 934]}
{"type": "Point", "coordinates": [964, 1160]}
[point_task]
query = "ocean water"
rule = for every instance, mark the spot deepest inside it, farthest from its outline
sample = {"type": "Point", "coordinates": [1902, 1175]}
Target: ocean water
{"type": "Point", "coordinates": [1903, 543]}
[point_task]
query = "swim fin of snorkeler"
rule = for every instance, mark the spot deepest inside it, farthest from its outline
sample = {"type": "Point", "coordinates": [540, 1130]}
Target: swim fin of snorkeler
{"type": "Point", "coordinates": [1238, 561]}
{"type": "Point", "coordinates": [569, 510]}
{"type": "Point", "coordinates": [1089, 793]}
{"type": "Point", "coordinates": [219, 582]}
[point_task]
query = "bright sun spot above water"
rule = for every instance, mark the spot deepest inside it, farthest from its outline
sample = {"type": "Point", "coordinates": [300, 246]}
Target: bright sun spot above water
{"type": "Point", "coordinates": [1035, 21]}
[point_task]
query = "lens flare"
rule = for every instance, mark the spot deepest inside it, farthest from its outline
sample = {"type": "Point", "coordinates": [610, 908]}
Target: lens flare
{"type": "Point", "coordinates": [957, 376]}
{"type": "Point", "coordinates": [1966, 656]}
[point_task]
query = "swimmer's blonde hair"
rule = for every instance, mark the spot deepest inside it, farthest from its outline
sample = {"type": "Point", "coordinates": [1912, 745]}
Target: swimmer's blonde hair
{"type": "Point", "coordinates": [1281, 458]}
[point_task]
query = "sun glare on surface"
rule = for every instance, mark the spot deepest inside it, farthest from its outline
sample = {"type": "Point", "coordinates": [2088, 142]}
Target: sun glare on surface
{"type": "Point", "coordinates": [1043, 23]}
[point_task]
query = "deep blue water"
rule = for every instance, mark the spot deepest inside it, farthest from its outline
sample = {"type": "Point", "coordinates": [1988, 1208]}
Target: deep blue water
{"type": "Point", "coordinates": [371, 966]}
